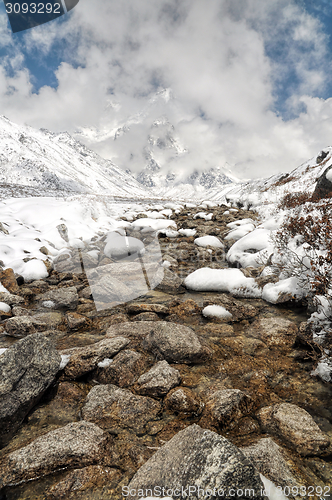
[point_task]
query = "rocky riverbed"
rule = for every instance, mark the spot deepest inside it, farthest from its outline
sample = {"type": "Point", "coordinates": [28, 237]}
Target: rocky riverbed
{"type": "Point", "coordinates": [151, 391]}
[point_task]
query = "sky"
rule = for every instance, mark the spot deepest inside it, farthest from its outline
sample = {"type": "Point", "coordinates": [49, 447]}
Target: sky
{"type": "Point", "coordinates": [248, 82]}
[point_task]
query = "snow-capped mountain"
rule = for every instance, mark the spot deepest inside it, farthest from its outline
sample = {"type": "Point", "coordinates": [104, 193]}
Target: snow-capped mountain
{"type": "Point", "coordinates": [49, 162]}
{"type": "Point", "coordinates": [157, 152]}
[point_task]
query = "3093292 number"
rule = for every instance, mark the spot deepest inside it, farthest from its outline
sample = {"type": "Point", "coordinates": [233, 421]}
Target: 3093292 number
{"type": "Point", "coordinates": [33, 8]}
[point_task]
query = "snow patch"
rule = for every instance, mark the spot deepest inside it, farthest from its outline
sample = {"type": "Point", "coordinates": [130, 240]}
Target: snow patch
{"type": "Point", "coordinates": [215, 311]}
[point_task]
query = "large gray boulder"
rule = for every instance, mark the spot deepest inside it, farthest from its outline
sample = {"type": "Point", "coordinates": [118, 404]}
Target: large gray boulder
{"type": "Point", "coordinates": [323, 187]}
{"type": "Point", "coordinates": [27, 369]}
{"type": "Point", "coordinates": [193, 461]}
{"type": "Point", "coordinates": [75, 445]}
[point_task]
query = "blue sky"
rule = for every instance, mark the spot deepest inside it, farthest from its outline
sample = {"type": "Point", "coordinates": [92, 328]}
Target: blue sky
{"type": "Point", "coordinates": [250, 80]}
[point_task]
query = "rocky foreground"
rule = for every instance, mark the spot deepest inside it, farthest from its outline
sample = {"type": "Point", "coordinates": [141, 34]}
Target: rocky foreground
{"type": "Point", "coordinates": [98, 404]}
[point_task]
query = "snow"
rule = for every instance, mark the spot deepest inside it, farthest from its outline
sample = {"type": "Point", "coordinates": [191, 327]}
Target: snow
{"type": "Point", "coordinates": [188, 232]}
{"type": "Point", "coordinates": [170, 233]}
{"type": "Point", "coordinates": [49, 304]}
{"type": "Point", "coordinates": [105, 362]}
{"type": "Point", "coordinates": [32, 270]}
{"type": "Point", "coordinates": [324, 369]}
{"type": "Point", "coordinates": [211, 241]}
{"type": "Point", "coordinates": [328, 175]}
{"type": "Point", "coordinates": [4, 307]}
{"type": "Point", "coordinates": [166, 264]}
{"type": "Point", "coordinates": [2, 351]}
{"type": "Point", "coordinates": [203, 215]}
{"type": "Point", "coordinates": [251, 249]}
{"type": "Point", "coordinates": [222, 280]}
{"type": "Point", "coordinates": [271, 490]}
{"type": "Point", "coordinates": [272, 291]}
{"type": "Point", "coordinates": [3, 289]}
{"type": "Point", "coordinates": [64, 361]}
{"type": "Point", "coordinates": [155, 224]}
{"type": "Point", "coordinates": [215, 311]}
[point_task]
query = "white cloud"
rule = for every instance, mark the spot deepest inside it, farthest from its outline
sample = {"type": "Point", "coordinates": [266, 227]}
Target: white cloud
{"type": "Point", "coordinates": [215, 57]}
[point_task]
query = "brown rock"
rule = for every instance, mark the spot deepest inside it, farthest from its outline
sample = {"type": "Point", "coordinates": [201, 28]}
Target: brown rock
{"type": "Point", "coordinates": [140, 308]}
{"type": "Point", "coordinates": [274, 332]}
{"type": "Point", "coordinates": [85, 359]}
{"type": "Point", "coordinates": [8, 280]}
{"type": "Point", "coordinates": [146, 316]}
{"type": "Point", "coordinates": [184, 401]}
{"type": "Point", "coordinates": [112, 408]}
{"type": "Point", "coordinates": [76, 321]}
{"type": "Point", "coordinates": [124, 370]}
{"type": "Point", "coordinates": [227, 405]}
{"type": "Point", "coordinates": [295, 426]}
{"type": "Point", "coordinates": [20, 326]}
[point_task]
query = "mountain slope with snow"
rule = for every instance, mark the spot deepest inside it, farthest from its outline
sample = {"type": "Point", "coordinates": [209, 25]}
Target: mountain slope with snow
{"type": "Point", "coordinates": [57, 162]}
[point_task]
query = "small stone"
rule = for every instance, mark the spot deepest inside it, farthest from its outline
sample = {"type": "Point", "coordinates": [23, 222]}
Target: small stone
{"type": "Point", "coordinates": [274, 332]}
{"type": "Point", "coordinates": [184, 401]}
{"type": "Point", "coordinates": [146, 316]}
{"type": "Point", "coordinates": [62, 298]}
{"type": "Point", "coordinates": [160, 379]}
{"type": "Point", "coordinates": [295, 426]}
{"type": "Point", "coordinates": [76, 321]}
{"type": "Point", "coordinates": [140, 308]}
{"type": "Point", "coordinates": [11, 299]}
{"type": "Point", "coordinates": [20, 326]}
{"type": "Point", "coordinates": [171, 283]}
{"type": "Point", "coordinates": [227, 405]}
{"type": "Point", "coordinates": [20, 311]}
{"type": "Point", "coordinates": [8, 280]}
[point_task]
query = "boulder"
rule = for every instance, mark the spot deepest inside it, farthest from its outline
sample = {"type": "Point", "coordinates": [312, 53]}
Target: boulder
{"type": "Point", "coordinates": [295, 426]}
{"type": "Point", "coordinates": [60, 298]}
{"type": "Point", "coordinates": [238, 308]}
{"type": "Point", "coordinates": [85, 359]}
{"type": "Point", "coordinates": [125, 368]}
{"type": "Point", "coordinates": [146, 316]}
{"type": "Point", "coordinates": [225, 406]}
{"type": "Point", "coordinates": [159, 380]}
{"type": "Point", "coordinates": [274, 332]}
{"type": "Point", "coordinates": [20, 326]}
{"type": "Point", "coordinates": [182, 400]}
{"type": "Point", "coordinates": [27, 369]}
{"type": "Point", "coordinates": [171, 283]}
{"type": "Point", "coordinates": [268, 459]}
{"type": "Point", "coordinates": [74, 445]}
{"type": "Point", "coordinates": [195, 461]}
{"type": "Point", "coordinates": [140, 308]}
{"type": "Point", "coordinates": [112, 408]}
{"type": "Point", "coordinates": [76, 321]}
{"type": "Point", "coordinates": [175, 343]}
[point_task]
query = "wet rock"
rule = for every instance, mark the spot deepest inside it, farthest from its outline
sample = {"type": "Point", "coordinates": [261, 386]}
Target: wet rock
{"type": "Point", "coordinates": [61, 298]}
{"type": "Point", "coordinates": [268, 459]}
{"type": "Point", "coordinates": [86, 481]}
{"type": "Point", "coordinates": [27, 369]}
{"type": "Point", "coordinates": [85, 293]}
{"type": "Point", "coordinates": [124, 369]}
{"type": "Point", "coordinates": [20, 326]}
{"type": "Point", "coordinates": [274, 332]}
{"type": "Point", "coordinates": [140, 308]}
{"type": "Point", "coordinates": [238, 309]}
{"type": "Point", "coordinates": [321, 469]}
{"type": "Point", "coordinates": [159, 380]}
{"type": "Point", "coordinates": [295, 426]}
{"type": "Point", "coordinates": [227, 405]}
{"type": "Point", "coordinates": [175, 343]}
{"type": "Point", "coordinates": [198, 458]}
{"type": "Point", "coordinates": [185, 309]}
{"type": "Point", "coordinates": [112, 408]}
{"type": "Point", "coordinates": [75, 445]}
{"type": "Point", "coordinates": [85, 359]}
{"type": "Point", "coordinates": [219, 330]}
{"type": "Point", "coordinates": [171, 283]}
{"type": "Point", "coordinates": [76, 321]}
{"type": "Point", "coordinates": [50, 319]}
{"type": "Point", "coordinates": [11, 299]}
{"type": "Point", "coordinates": [146, 316]}
{"type": "Point", "coordinates": [20, 311]}
{"type": "Point", "coordinates": [184, 401]}
{"type": "Point", "coordinates": [8, 280]}
{"type": "Point", "coordinates": [244, 345]}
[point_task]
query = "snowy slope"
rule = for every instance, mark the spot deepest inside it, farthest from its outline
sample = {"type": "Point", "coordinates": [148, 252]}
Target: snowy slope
{"type": "Point", "coordinates": [57, 162]}
{"type": "Point", "coordinates": [272, 189]}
